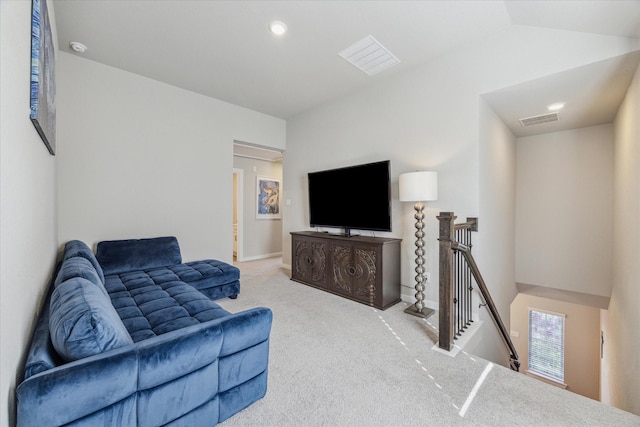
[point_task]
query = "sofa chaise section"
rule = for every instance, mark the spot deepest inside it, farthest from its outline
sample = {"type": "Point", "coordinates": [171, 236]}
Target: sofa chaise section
{"type": "Point", "coordinates": [161, 256]}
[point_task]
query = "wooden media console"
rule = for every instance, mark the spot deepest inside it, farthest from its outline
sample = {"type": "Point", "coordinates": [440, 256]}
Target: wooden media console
{"type": "Point", "coordinates": [363, 269]}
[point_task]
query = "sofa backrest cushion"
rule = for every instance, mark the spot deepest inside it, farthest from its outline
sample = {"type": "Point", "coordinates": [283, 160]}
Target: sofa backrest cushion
{"type": "Point", "coordinates": [77, 248]}
{"type": "Point", "coordinates": [83, 322]}
{"type": "Point", "coordinates": [78, 267]}
{"type": "Point", "coordinates": [41, 355]}
{"type": "Point", "coordinates": [121, 256]}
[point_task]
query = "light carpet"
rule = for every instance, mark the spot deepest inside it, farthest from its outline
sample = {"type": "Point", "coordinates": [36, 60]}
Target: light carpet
{"type": "Point", "coordinates": [335, 362]}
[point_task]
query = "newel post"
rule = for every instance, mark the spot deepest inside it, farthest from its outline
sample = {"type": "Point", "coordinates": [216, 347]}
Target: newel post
{"type": "Point", "coordinates": [447, 231]}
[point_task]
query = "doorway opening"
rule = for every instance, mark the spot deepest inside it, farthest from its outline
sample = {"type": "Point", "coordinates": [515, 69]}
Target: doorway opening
{"type": "Point", "coordinates": [251, 162]}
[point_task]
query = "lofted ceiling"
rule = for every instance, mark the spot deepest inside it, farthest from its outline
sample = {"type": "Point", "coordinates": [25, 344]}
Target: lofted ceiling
{"type": "Point", "coordinates": [223, 49]}
{"type": "Point", "coordinates": [591, 94]}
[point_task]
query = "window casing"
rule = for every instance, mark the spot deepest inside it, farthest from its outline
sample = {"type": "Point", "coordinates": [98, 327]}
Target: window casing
{"type": "Point", "coordinates": [546, 344]}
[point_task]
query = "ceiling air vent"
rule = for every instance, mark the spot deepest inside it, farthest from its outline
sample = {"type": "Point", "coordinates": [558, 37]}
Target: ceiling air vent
{"type": "Point", "coordinates": [369, 56]}
{"type": "Point", "coordinates": [536, 120]}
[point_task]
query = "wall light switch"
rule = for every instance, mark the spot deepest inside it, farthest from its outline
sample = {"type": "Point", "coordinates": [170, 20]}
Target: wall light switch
{"type": "Point", "coordinates": [515, 334]}
{"type": "Point", "coordinates": [288, 202]}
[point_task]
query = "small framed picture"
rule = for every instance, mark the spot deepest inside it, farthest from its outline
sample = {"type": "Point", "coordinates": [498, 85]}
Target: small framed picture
{"type": "Point", "coordinates": [268, 198]}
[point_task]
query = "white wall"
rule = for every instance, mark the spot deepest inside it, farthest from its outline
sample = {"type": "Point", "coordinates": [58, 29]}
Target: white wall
{"type": "Point", "coordinates": [581, 345]}
{"type": "Point", "coordinates": [428, 118]}
{"type": "Point", "coordinates": [563, 210]}
{"type": "Point", "coordinates": [28, 238]}
{"type": "Point", "coordinates": [621, 367]}
{"type": "Point", "coordinates": [139, 158]}
{"type": "Point", "coordinates": [261, 238]}
{"type": "Point", "coordinates": [497, 223]}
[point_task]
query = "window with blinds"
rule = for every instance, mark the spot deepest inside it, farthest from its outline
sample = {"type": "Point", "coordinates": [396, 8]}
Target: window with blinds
{"type": "Point", "coordinates": [546, 344]}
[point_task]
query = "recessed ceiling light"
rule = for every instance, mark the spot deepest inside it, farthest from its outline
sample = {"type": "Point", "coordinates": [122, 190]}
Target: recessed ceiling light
{"type": "Point", "coordinates": [556, 106]}
{"type": "Point", "coordinates": [278, 28]}
{"type": "Point", "coordinates": [78, 47]}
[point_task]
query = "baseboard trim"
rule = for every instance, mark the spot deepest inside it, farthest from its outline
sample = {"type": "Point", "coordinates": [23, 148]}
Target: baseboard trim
{"type": "Point", "coordinates": [257, 257]}
{"type": "Point", "coordinates": [411, 299]}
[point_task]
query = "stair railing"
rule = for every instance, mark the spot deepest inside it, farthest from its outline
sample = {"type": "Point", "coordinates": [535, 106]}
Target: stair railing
{"type": "Point", "coordinates": [457, 267]}
{"type": "Point", "coordinates": [456, 309]}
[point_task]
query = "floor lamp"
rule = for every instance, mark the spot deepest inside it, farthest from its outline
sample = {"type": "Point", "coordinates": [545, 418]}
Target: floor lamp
{"type": "Point", "coordinates": [419, 187]}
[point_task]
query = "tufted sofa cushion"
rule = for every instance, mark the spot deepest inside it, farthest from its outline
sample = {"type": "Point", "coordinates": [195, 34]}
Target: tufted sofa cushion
{"type": "Point", "coordinates": [155, 302]}
{"type": "Point", "coordinates": [208, 269]}
{"type": "Point", "coordinates": [83, 322]}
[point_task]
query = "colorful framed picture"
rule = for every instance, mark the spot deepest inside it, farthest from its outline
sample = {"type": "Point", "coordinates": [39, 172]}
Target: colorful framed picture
{"type": "Point", "coordinates": [43, 83]}
{"type": "Point", "coordinates": [268, 198]}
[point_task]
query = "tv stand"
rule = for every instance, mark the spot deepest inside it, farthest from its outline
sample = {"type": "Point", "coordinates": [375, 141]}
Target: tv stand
{"type": "Point", "coordinates": [347, 233]}
{"type": "Point", "coordinates": [362, 269]}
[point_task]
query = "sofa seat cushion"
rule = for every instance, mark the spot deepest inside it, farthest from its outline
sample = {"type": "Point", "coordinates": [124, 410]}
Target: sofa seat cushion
{"type": "Point", "coordinates": [83, 322]}
{"type": "Point", "coordinates": [156, 302]}
{"type": "Point", "coordinates": [203, 274]}
{"type": "Point", "coordinates": [215, 279]}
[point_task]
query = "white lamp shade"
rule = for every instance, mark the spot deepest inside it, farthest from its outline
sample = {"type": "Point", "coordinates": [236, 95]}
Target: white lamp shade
{"type": "Point", "coordinates": [418, 186]}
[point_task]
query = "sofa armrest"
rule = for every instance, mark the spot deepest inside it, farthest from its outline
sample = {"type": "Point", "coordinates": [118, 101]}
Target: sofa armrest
{"type": "Point", "coordinates": [74, 390]}
{"type": "Point", "coordinates": [245, 329]}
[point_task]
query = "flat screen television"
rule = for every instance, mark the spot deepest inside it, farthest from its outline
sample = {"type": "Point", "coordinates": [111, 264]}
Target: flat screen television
{"type": "Point", "coordinates": [353, 198]}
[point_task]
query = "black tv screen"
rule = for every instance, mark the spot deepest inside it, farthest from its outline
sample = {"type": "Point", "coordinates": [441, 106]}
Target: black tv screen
{"type": "Point", "coordinates": [355, 197]}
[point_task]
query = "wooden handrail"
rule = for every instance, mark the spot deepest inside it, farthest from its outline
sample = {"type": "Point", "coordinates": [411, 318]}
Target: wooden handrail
{"type": "Point", "coordinates": [486, 295]}
{"type": "Point", "coordinates": [471, 224]}
{"type": "Point", "coordinates": [448, 246]}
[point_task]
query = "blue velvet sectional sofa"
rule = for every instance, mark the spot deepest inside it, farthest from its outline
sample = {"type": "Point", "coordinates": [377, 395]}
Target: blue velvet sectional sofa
{"type": "Point", "coordinates": [131, 337]}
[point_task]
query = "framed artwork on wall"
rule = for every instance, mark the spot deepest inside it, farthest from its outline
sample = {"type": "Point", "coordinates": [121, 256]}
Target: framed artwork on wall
{"type": "Point", "coordinates": [268, 198]}
{"type": "Point", "coordinates": [43, 84]}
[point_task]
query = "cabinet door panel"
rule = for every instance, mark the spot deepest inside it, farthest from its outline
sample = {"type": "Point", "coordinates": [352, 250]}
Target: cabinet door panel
{"type": "Point", "coordinates": [364, 279]}
{"type": "Point", "coordinates": [342, 270]}
{"type": "Point", "coordinates": [354, 272]}
{"type": "Point", "coordinates": [310, 261]}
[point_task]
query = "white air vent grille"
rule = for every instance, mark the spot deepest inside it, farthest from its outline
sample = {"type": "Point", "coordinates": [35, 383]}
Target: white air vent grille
{"type": "Point", "coordinates": [536, 120]}
{"type": "Point", "coordinates": [369, 56]}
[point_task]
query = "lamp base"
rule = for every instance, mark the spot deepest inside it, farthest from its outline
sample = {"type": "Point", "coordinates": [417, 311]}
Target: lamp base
{"type": "Point", "coordinates": [424, 313]}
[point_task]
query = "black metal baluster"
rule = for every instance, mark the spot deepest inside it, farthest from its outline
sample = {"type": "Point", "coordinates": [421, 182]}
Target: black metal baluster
{"type": "Point", "coordinates": [458, 289]}
{"type": "Point", "coordinates": [456, 262]}
{"type": "Point", "coordinates": [466, 279]}
{"type": "Point", "coordinates": [469, 284]}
